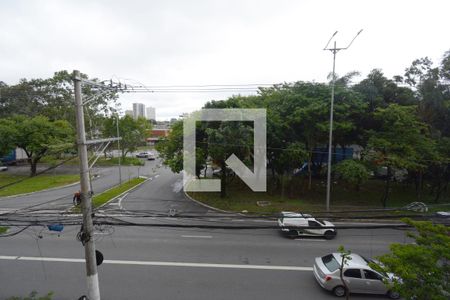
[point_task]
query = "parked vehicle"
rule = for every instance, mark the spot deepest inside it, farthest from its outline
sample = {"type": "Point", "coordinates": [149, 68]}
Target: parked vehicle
{"type": "Point", "coordinates": [142, 154]}
{"type": "Point", "coordinates": [357, 274]}
{"type": "Point", "coordinates": [291, 223]}
{"type": "Point", "coordinates": [16, 156]}
{"type": "Point", "coordinates": [3, 168]}
{"type": "Point", "coordinates": [151, 156]}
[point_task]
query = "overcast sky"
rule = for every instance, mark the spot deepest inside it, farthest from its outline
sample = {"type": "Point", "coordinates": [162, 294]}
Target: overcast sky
{"type": "Point", "coordinates": [184, 42]}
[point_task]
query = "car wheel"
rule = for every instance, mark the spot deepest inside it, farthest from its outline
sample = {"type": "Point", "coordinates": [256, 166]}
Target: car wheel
{"type": "Point", "coordinates": [393, 295]}
{"type": "Point", "coordinates": [339, 291]}
{"type": "Point", "coordinates": [329, 234]}
{"type": "Point", "coordinates": [292, 234]}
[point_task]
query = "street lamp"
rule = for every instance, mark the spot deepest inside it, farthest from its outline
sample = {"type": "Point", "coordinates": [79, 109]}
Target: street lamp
{"type": "Point", "coordinates": [118, 148]}
{"type": "Point", "coordinates": [333, 50]}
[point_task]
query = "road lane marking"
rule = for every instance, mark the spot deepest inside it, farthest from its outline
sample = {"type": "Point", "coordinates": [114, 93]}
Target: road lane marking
{"type": "Point", "coordinates": [120, 200]}
{"type": "Point", "coordinates": [160, 263]}
{"type": "Point", "coordinates": [198, 236]}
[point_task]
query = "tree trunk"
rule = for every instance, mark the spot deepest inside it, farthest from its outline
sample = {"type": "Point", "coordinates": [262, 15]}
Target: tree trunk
{"type": "Point", "coordinates": [438, 192]}
{"type": "Point", "coordinates": [420, 186]}
{"type": "Point", "coordinates": [342, 279]}
{"type": "Point", "coordinates": [33, 167]}
{"type": "Point", "coordinates": [309, 171]}
{"type": "Point", "coordinates": [387, 187]}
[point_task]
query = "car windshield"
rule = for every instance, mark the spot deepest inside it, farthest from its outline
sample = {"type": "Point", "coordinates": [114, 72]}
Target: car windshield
{"type": "Point", "coordinates": [369, 261]}
{"type": "Point", "coordinates": [330, 262]}
{"type": "Point", "coordinates": [321, 221]}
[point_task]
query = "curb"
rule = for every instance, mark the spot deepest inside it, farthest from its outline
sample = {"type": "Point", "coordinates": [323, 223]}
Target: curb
{"type": "Point", "coordinates": [210, 207]}
{"type": "Point", "coordinates": [359, 221]}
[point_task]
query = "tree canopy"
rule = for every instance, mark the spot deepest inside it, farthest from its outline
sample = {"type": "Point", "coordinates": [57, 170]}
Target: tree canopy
{"type": "Point", "coordinates": [422, 268]}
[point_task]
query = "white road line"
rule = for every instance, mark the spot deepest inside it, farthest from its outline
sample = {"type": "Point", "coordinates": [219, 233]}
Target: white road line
{"type": "Point", "coordinates": [160, 263]}
{"type": "Point", "coordinates": [156, 176]}
{"type": "Point", "coordinates": [198, 236]}
{"type": "Point", "coordinates": [120, 200]}
{"type": "Point", "coordinates": [264, 221]}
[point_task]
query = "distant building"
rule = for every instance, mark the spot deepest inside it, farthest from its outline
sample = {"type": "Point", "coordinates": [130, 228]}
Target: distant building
{"type": "Point", "coordinates": [157, 133]}
{"type": "Point", "coordinates": [138, 110]}
{"type": "Point", "coordinates": [129, 113]}
{"type": "Point", "coordinates": [151, 113]}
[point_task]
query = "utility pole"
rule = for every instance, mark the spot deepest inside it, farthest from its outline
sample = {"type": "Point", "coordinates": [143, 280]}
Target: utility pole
{"type": "Point", "coordinates": [333, 50]}
{"type": "Point", "coordinates": [86, 205]}
{"type": "Point", "coordinates": [118, 148]}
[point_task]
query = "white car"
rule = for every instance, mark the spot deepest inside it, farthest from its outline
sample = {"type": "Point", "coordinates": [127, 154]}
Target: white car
{"type": "Point", "coordinates": [357, 274]}
{"type": "Point", "coordinates": [151, 156]}
{"type": "Point", "coordinates": [298, 224]}
{"type": "Point", "coordinates": [144, 154]}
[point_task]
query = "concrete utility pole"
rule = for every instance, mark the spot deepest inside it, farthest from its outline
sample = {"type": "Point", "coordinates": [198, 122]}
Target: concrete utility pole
{"type": "Point", "coordinates": [86, 205]}
{"type": "Point", "coordinates": [333, 50]}
{"type": "Point", "coordinates": [118, 148]}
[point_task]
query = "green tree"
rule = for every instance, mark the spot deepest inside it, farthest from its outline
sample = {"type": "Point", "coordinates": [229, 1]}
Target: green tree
{"type": "Point", "coordinates": [291, 157]}
{"type": "Point", "coordinates": [432, 91]}
{"type": "Point", "coordinates": [7, 133]}
{"type": "Point", "coordinates": [379, 91]}
{"type": "Point", "coordinates": [227, 139]}
{"type": "Point", "coordinates": [133, 132]}
{"type": "Point", "coordinates": [422, 269]}
{"type": "Point", "coordinates": [353, 172]}
{"type": "Point", "coordinates": [39, 136]}
{"type": "Point", "coordinates": [171, 148]}
{"type": "Point", "coordinates": [53, 98]}
{"type": "Point", "coordinates": [401, 141]}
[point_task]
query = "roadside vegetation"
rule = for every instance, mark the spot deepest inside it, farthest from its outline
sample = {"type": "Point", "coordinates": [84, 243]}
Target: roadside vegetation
{"type": "Point", "coordinates": [126, 161]}
{"type": "Point", "coordinates": [391, 142]}
{"type": "Point", "coordinates": [38, 116]}
{"type": "Point", "coordinates": [34, 184]}
{"type": "Point", "coordinates": [33, 296]}
{"type": "Point", "coordinates": [102, 198]}
{"type": "Point", "coordinates": [343, 197]}
{"type": "Point", "coordinates": [421, 268]}
{"type": "Point", "coordinates": [102, 161]}
{"type": "Point", "coordinates": [3, 229]}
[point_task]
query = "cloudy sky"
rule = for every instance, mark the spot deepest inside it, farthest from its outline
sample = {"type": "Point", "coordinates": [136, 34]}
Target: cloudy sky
{"type": "Point", "coordinates": [214, 42]}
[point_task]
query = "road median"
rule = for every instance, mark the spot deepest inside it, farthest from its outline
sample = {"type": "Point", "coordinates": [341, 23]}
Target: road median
{"type": "Point", "coordinates": [107, 196]}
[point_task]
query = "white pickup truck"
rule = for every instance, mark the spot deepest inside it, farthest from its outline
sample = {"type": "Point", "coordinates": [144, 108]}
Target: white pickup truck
{"type": "Point", "coordinates": [291, 223]}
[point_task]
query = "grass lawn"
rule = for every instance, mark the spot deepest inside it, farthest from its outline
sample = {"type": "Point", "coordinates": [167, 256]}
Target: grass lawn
{"type": "Point", "coordinates": [101, 162]}
{"type": "Point", "coordinates": [3, 229]}
{"type": "Point", "coordinates": [34, 184]}
{"type": "Point", "coordinates": [128, 161]}
{"type": "Point", "coordinates": [107, 195]}
{"type": "Point", "coordinates": [299, 198]}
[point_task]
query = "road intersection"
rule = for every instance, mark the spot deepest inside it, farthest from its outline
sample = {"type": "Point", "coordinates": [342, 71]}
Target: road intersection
{"type": "Point", "coordinates": [154, 262]}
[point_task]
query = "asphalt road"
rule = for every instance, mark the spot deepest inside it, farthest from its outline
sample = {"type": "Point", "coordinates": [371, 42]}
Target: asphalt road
{"type": "Point", "coordinates": [143, 262]}
{"type": "Point", "coordinates": [61, 198]}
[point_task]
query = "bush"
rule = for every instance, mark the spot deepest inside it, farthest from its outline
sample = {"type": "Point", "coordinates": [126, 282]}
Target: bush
{"type": "Point", "coordinates": [353, 172]}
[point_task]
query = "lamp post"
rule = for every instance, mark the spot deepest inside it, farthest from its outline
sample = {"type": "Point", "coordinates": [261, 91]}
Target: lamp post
{"type": "Point", "coordinates": [333, 50]}
{"type": "Point", "coordinates": [118, 148]}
